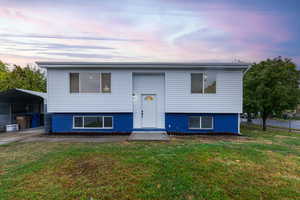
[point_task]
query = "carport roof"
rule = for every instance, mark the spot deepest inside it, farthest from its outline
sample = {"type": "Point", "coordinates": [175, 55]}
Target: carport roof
{"type": "Point", "coordinates": [21, 95]}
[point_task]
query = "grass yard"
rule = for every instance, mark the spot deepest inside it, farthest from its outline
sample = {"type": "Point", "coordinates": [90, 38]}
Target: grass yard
{"type": "Point", "coordinates": [259, 166]}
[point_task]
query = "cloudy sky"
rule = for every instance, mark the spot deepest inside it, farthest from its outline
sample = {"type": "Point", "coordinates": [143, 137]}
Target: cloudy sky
{"type": "Point", "coordinates": [148, 30]}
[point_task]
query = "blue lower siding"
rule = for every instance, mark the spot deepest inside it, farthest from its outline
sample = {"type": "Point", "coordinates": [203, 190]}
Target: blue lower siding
{"type": "Point", "coordinates": [123, 123]}
{"type": "Point", "coordinates": [222, 123]}
{"type": "Point", "coordinates": [63, 123]}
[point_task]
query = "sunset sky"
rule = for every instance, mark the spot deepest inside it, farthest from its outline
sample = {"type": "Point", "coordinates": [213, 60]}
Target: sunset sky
{"type": "Point", "coordinates": [149, 30]}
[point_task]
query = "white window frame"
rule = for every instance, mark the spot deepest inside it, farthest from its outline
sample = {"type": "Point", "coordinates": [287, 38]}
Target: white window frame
{"type": "Point", "coordinates": [203, 86]}
{"type": "Point", "coordinates": [200, 128]}
{"type": "Point", "coordinates": [79, 80]}
{"type": "Point", "coordinates": [112, 118]}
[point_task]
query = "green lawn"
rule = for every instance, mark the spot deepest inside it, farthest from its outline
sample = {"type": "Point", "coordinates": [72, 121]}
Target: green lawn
{"type": "Point", "coordinates": [259, 166]}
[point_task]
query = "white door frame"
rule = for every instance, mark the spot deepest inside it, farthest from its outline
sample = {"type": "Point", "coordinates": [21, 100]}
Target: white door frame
{"type": "Point", "coordinates": [148, 84]}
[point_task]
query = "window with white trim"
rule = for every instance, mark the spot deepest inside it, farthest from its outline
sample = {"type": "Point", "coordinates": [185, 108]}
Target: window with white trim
{"type": "Point", "coordinates": [200, 122]}
{"type": "Point", "coordinates": [90, 82]}
{"type": "Point", "coordinates": [93, 122]}
{"type": "Point", "coordinates": [204, 83]}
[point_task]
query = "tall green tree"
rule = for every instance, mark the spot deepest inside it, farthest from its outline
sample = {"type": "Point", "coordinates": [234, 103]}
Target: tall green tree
{"type": "Point", "coordinates": [3, 74]}
{"type": "Point", "coordinates": [271, 87]}
{"type": "Point", "coordinates": [24, 78]}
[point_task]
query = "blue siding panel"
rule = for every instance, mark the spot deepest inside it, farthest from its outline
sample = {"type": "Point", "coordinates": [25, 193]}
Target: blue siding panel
{"type": "Point", "coordinates": [35, 120]}
{"type": "Point", "coordinates": [63, 123]}
{"type": "Point", "coordinates": [223, 123]}
{"type": "Point", "coordinates": [123, 123]}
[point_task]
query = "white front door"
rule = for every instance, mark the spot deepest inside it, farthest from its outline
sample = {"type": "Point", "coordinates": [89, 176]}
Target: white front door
{"type": "Point", "coordinates": [148, 110]}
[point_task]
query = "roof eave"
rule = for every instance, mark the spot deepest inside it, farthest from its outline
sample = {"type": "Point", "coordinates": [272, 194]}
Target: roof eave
{"type": "Point", "coordinates": [136, 65]}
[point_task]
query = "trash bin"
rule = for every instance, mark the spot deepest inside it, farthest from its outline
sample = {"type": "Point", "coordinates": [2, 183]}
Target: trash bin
{"type": "Point", "coordinates": [12, 127]}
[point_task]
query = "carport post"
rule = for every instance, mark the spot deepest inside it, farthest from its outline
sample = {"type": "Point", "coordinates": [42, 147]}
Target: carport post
{"type": "Point", "coordinates": [10, 113]}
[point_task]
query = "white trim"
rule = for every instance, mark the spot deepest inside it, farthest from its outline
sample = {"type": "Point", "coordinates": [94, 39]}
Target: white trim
{"type": "Point", "coordinates": [239, 123]}
{"type": "Point", "coordinates": [102, 116]}
{"type": "Point", "coordinates": [159, 90]}
{"type": "Point", "coordinates": [200, 128]}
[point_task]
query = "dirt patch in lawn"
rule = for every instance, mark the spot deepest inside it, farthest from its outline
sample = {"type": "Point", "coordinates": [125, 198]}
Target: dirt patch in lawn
{"type": "Point", "coordinates": [285, 136]}
{"type": "Point", "coordinates": [96, 176]}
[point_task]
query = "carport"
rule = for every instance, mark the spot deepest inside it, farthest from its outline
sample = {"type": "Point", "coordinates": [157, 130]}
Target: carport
{"type": "Point", "coordinates": [19, 104]}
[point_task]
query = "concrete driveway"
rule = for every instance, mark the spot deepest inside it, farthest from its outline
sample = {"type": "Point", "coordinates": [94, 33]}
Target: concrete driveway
{"type": "Point", "coordinates": [100, 139]}
{"type": "Point", "coordinates": [37, 135]}
{"type": "Point", "coordinates": [9, 137]}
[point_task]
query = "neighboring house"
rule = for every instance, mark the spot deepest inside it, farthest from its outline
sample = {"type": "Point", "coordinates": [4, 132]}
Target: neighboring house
{"type": "Point", "coordinates": [126, 97]}
{"type": "Point", "coordinates": [21, 103]}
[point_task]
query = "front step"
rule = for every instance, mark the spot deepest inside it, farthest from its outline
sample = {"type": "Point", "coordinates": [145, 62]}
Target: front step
{"type": "Point", "coordinates": [149, 136]}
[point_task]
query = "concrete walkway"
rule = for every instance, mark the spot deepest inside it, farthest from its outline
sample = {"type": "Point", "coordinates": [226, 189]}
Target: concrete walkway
{"type": "Point", "coordinates": [9, 137]}
{"type": "Point", "coordinates": [148, 136]}
{"type": "Point", "coordinates": [9, 140]}
{"type": "Point", "coordinates": [37, 135]}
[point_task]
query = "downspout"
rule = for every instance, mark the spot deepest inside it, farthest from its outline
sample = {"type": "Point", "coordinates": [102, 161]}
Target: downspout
{"type": "Point", "coordinates": [239, 115]}
{"type": "Point", "coordinates": [10, 113]}
{"type": "Point", "coordinates": [249, 67]}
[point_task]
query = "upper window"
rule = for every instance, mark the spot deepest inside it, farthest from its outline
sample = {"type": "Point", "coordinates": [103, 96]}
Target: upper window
{"type": "Point", "coordinates": [204, 83]}
{"type": "Point", "coordinates": [74, 82]}
{"type": "Point", "coordinates": [105, 82]}
{"type": "Point", "coordinates": [90, 82]}
{"type": "Point", "coordinates": [210, 82]}
{"type": "Point", "coordinates": [197, 83]}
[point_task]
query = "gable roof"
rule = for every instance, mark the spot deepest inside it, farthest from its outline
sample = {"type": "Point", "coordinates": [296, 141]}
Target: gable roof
{"type": "Point", "coordinates": [143, 65]}
{"type": "Point", "coordinates": [40, 94]}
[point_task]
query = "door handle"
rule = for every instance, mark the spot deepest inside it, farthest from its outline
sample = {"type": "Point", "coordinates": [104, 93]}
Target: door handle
{"type": "Point", "coordinates": [142, 113]}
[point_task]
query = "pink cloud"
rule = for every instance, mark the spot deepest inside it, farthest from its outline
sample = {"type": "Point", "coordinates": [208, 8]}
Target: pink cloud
{"type": "Point", "coordinates": [19, 15]}
{"type": "Point", "coordinates": [247, 35]}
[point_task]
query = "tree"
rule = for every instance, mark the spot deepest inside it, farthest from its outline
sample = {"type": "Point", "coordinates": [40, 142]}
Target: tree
{"type": "Point", "coordinates": [271, 87]}
{"type": "Point", "coordinates": [24, 78]}
{"type": "Point", "coordinates": [3, 74]}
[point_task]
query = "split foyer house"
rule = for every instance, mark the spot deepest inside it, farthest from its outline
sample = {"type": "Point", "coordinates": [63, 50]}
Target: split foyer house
{"type": "Point", "coordinates": [126, 97]}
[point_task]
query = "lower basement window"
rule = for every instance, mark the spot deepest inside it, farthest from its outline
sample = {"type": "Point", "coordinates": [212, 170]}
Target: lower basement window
{"type": "Point", "coordinates": [91, 122]}
{"type": "Point", "coordinates": [200, 122]}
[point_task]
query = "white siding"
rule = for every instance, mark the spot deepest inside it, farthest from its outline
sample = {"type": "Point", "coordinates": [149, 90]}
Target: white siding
{"type": "Point", "coordinates": [61, 100]}
{"type": "Point", "coordinates": [228, 98]}
{"type": "Point", "coordinates": [178, 97]}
